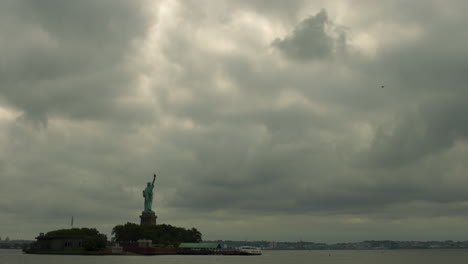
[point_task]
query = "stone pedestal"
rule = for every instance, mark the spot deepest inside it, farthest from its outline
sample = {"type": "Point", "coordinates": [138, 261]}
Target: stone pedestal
{"type": "Point", "coordinates": [148, 218]}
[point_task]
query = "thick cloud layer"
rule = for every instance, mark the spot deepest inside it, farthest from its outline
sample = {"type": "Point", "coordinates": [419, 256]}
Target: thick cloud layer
{"type": "Point", "coordinates": [262, 120]}
{"type": "Point", "coordinates": [69, 59]}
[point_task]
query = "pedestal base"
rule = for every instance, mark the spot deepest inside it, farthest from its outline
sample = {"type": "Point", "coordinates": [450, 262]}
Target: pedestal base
{"type": "Point", "coordinates": [148, 218]}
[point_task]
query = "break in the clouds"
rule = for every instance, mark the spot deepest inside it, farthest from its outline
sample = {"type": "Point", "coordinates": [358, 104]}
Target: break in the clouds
{"type": "Point", "coordinates": [263, 120]}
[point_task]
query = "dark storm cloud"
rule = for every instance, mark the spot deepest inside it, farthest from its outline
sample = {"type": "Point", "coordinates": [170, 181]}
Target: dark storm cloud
{"type": "Point", "coordinates": [431, 73]}
{"type": "Point", "coordinates": [287, 160]}
{"type": "Point", "coordinates": [55, 173]}
{"type": "Point", "coordinates": [434, 127]}
{"type": "Point", "coordinates": [310, 39]}
{"type": "Point", "coordinates": [254, 114]}
{"type": "Point", "coordinates": [68, 62]}
{"type": "Point", "coordinates": [58, 57]}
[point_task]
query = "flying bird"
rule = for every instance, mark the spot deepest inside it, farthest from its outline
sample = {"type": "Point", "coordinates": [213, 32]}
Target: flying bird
{"type": "Point", "coordinates": [383, 86]}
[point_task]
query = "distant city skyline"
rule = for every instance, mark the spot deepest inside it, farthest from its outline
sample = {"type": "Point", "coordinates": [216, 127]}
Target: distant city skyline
{"type": "Point", "coordinates": [264, 120]}
{"type": "Point", "coordinates": [308, 245]}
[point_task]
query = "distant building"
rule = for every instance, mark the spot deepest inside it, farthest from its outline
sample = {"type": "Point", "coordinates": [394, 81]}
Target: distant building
{"type": "Point", "coordinates": [58, 243]}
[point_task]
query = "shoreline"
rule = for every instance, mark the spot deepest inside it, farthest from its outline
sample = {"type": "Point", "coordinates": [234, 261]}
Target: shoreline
{"type": "Point", "coordinates": [89, 253]}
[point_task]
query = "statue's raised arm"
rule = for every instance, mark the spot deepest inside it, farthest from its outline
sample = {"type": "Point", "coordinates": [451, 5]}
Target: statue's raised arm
{"type": "Point", "coordinates": [148, 195]}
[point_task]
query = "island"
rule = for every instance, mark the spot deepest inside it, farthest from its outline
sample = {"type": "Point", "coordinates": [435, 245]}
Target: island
{"type": "Point", "coordinates": [130, 238]}
{"type": "Point", "coordinates": [146, 238]}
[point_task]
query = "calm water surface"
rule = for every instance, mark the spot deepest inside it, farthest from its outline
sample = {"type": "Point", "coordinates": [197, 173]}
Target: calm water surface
{"type": "Point", "coordinates": [453, 256]}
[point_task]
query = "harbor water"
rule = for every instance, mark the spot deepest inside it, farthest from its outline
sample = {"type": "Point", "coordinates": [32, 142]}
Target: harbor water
{"type": "Point", "coordinates": [452, 256]}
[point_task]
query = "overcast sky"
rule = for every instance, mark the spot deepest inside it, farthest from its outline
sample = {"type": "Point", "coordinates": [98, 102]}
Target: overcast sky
{"type": "Point", "coordinates": [263, 119]}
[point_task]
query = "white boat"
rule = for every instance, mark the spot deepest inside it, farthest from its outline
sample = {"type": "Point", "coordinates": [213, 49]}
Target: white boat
{"type": "Point", "coordinates": [249, 250]}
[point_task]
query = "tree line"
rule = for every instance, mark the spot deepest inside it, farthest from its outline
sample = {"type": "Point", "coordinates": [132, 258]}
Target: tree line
{"type": "Point", "coordinates": [162, 234]}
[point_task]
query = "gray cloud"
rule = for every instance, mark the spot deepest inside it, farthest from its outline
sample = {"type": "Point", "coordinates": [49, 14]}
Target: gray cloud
{"type": "Point", "coordinates": [310, 39]}
{"type": "Point", "coordinates": [252, 114]}
{"type": "Point", "coordinates": [430, 73]}
{"type": "Point", "coordinates": [59, 57]}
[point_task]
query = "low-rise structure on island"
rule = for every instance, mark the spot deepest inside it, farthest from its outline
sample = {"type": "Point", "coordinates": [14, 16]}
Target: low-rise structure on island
{"type": "Point", "coordinates": [58, 243]}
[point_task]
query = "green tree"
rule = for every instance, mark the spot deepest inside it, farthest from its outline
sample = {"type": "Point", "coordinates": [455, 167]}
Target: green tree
{"type": "Point", "coordinates": [94, 243]}
{"type": "Point", "coordinates": [159, 234]}
{"type": "Point", "coordinates": [127, 232]}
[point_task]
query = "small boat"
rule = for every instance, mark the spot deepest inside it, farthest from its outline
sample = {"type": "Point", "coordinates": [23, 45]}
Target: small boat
{"type": "Point", "coordinates": [249, 250]}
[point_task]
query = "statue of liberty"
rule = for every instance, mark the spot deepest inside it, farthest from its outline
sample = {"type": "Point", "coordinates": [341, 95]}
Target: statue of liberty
{"type": "Point", "coordinates": [148, 195]}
